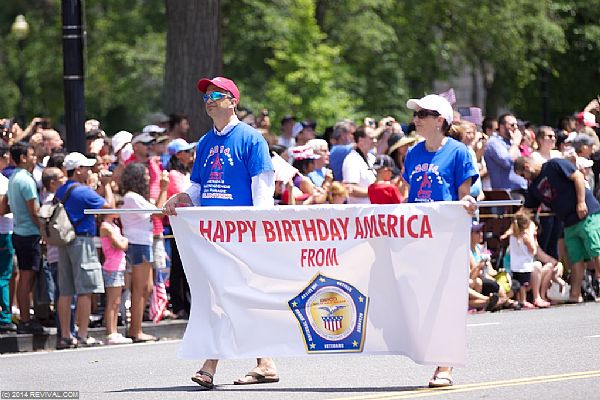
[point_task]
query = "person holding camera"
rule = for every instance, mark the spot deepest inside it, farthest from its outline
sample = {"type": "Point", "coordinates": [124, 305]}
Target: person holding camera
{"type": "Point", "coordinates": [79, 269]}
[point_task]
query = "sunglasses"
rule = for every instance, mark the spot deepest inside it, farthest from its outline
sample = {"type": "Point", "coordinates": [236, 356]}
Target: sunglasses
{"type": "Point", "coordinates": [423, 113]}
{"type": "Point", "coordinates": [215, 96]}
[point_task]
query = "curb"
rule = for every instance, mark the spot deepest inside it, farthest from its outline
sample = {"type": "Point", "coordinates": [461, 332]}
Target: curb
{"type": "Point", "coordinates": [13, 343]}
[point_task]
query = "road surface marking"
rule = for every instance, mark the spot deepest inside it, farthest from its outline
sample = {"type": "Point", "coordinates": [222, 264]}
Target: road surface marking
{"type": "Point", "coordinates": [483, 324]}
{"type": "Point", "coordinates": [426, 392]}
{"type": "Point", "coordinates": [593, 336]}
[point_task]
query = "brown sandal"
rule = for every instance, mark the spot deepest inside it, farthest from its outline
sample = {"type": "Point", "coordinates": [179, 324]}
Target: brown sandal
{"type": "Point", "coordinates": [441, 381]}
{"type": "Point", "coordinates": [208, 385]}
{"type": "Point", "coordinates": [257, 378]}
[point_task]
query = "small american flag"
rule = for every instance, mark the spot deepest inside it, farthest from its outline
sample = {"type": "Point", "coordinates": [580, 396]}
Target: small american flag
{"type": "Point", "coordinates": [471, 114]}
{"type": "Point", "coordinates": [159, 300]}
{"type": "Point", "coordinates": [449, 95]}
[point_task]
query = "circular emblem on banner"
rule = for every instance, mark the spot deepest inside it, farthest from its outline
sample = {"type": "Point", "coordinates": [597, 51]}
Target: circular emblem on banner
{"type": "Point", "coordinates": [331, 312]}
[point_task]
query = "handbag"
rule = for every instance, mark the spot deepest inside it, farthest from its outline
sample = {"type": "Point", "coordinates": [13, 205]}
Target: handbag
{"type": "Point", "coordinates": [557, 293]}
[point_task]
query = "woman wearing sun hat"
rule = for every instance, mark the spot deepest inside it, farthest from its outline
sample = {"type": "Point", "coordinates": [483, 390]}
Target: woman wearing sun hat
{"type": "Point", "coordinates": [451, 180]}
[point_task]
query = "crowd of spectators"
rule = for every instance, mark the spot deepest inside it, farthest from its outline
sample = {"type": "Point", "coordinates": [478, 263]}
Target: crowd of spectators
{"type": "Point", "coordinates": [118, 268]}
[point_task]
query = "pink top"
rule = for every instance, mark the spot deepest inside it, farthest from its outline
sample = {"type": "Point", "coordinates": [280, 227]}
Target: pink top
{"type": "Point", "coordinates": [114, 259]}
{"type": "Point", "coordinates": [178, 182]}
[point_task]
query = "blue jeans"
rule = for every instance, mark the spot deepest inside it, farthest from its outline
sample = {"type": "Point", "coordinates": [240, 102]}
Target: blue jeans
{"type": "Point", "coordinates": [44, 285]}
{"type": "Point", "coordinates": [6, 266]}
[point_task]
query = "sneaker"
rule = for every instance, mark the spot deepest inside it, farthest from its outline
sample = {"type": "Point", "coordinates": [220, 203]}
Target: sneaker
{"type": "Point", "coordinates": [117, 338]}
{"type": "Point", "coordinates": [32, 326]}
{"type": "Point", "coordinates": [88, 341]}
{"type": "Point", "coordinates": [66, 343]}
{"type": "Point", "coordinates": [8, 327]}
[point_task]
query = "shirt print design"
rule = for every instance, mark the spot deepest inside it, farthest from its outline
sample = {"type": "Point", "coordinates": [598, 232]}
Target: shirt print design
{"type": "Point", "coordinates": [546, 190]}
{"type": "Point", "coordinates": [215, 187]}
{"type": "Point", "coordinates": [428, 179]}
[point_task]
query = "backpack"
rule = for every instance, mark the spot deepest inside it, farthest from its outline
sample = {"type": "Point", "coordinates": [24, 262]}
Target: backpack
{"type": "Point", "coordinates": [55, 226]}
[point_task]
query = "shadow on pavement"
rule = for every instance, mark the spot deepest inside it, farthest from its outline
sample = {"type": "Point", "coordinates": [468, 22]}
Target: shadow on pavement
{"type": "Point", "coordinates": [270, 388]}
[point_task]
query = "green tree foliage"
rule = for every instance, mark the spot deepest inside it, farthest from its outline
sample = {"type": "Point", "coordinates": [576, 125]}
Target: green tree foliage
{"type": "Point", "coordinates": [278, 53]}
{"type": "Point", "coordinates": [574, 73]}
{"type": "Point", "coordinates": [507, 41]}
{"type": "Point", "coordinates": [319, 59]}
{"type": "Point", "coordinates": [125, 47]}
{"type": "Point", "coordinates": [125, 61]}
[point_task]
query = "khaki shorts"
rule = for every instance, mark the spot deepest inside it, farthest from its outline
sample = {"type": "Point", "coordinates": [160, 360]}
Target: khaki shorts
{"type": "Point", "coordinates": [79, 270]}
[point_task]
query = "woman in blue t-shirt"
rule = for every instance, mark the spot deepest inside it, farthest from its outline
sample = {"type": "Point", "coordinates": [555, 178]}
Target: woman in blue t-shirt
{"type": "Point", "coordinates": [438, 169]}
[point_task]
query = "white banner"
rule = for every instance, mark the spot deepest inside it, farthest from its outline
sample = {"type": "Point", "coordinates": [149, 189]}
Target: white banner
{"type": "Point", "coordinates": [292, 281]}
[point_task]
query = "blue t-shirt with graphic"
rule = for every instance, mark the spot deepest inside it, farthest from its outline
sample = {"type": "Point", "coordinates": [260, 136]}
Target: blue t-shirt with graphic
{"type": "Point", "coordinates": [225, 165]}
{"type": "Point", "coordinates": [81, 197]}
{"type": "Point", "coordinates": [436, 176]}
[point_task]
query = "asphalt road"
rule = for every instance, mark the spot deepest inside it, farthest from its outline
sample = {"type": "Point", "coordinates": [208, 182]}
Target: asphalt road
{"type": "Point", "coordinates": [537, 354]}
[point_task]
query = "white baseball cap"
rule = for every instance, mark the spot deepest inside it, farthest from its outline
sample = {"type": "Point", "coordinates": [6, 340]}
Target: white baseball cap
{"type": "Point", "coordinates": [76, 160]}
{"type": "Point", "coordinates": [120, 139]}
{"type": "Point", "coordinates": [144, 137]}
{"type": "Point", "coordinates": [297, 128]}
{"type": "Point", "coordinates": [153, 129]}
{"type": "Point", "coordinates": [435, 103]}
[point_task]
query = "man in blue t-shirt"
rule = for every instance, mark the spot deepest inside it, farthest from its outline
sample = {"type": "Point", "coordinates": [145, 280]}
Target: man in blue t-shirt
{"type": "Point", "coordinates": [560, 186]}
{"type": "Point", "coordinates": [232, 168]}
{"type": "Point", "coordinates": [79, 270]}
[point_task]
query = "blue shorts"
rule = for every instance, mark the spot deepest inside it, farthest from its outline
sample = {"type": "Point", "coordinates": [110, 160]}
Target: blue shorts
{"type": "Point", "coordinates": [139, 253]}
{"type": "Point", "coordinates": [113, 278]}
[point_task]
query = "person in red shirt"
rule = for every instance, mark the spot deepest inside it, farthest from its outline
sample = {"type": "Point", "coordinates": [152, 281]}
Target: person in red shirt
{"type": "Point", "coordinates": [383, 190]}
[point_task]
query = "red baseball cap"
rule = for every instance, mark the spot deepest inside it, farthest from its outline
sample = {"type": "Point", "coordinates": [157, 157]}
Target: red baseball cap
{"type": "Point", "coordinates": [221, 83]}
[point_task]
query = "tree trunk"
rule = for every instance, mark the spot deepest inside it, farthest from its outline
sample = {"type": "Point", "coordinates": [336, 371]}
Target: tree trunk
{"type": "Point", "coordinates": [491, 90]}
{"type": "Point", "coordinates": [193, 52]}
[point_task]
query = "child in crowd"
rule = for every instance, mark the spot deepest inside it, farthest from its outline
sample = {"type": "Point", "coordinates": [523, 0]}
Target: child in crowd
{"type": "Point", "coordinates": [337, 194]}
{"type": "Point", "coordinates": [522, 248]}
{"type": "Point", "coordinates": [113, 271]}
{"type": "Point", "coordinates": [383, 190]}
{"type": "Point", "coordinates": [137, 228]}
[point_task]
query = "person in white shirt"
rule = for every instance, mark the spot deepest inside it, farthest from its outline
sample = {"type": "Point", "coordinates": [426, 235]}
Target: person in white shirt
{"type": "Point", "coordinates": [137, 228]}
{"type": "Point", "coordinates": [357, 174]}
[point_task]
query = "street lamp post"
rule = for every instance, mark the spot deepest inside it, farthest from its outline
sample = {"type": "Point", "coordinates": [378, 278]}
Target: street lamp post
{"type": "Point", "coordinates": [20, 30]}
{"type": "Point", "coordinates": [73, 74]}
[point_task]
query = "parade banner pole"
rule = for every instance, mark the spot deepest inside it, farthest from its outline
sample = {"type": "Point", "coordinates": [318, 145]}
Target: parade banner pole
{"type": "Point", "coordinates": [104, 211]}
